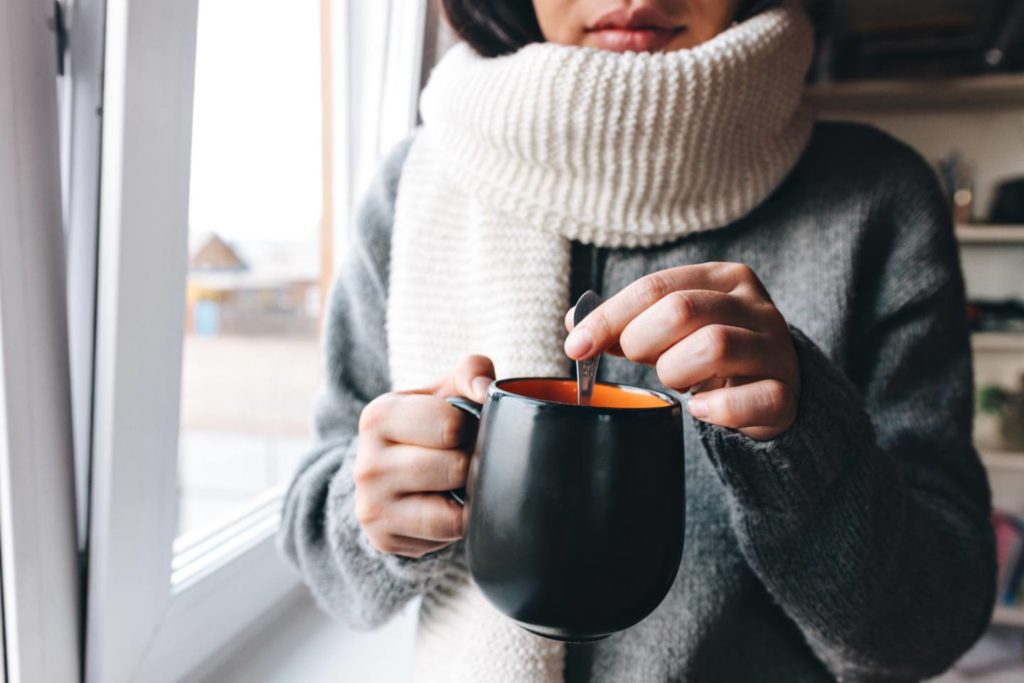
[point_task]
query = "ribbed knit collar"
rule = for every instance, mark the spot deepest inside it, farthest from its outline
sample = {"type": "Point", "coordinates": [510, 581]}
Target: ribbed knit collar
{"type": "Point", "coordinates": [627, 149]}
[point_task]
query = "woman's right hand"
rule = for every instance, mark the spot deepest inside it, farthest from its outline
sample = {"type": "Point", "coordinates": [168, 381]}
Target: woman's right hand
{"type": "Point", "coordinates": [412, 449]}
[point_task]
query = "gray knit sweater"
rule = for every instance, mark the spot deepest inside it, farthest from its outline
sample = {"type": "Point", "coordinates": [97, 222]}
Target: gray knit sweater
{"type": "Point", "coordinates": [856, 545]}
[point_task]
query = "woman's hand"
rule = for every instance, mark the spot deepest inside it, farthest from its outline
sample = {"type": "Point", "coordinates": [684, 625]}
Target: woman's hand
{"type": "Point", "coordinates": [411, 451]}
{"type": "Point", "coordinates": [710, 328]}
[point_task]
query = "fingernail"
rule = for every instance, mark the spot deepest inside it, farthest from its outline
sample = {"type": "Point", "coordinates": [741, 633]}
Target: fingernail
{"type": "Point", "coordinates": [579, 342]}
{"type": "Point", "coordinates": [698, 406]}
{"type": "Point", "coordinates": [480, 385]}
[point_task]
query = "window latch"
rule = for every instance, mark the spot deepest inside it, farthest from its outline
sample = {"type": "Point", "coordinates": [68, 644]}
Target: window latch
{"type": "Point", "coordinates": [60, 32]}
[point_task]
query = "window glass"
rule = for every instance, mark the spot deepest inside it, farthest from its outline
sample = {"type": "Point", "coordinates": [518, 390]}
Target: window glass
{"type": "Point", "coordinates": [251, 363]}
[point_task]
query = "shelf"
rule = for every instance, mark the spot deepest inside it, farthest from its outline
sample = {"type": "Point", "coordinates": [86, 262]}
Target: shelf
{"type": "Point", "coordinates": [997, 341]}
{"type": "Point", "coordinates": [966, 92]}
{"type": "Point", "coordinates": [990, 234]}
{"type": "Point", "coordinates": [1009, 616]}
{"type": "Point", "coordinates": [1003, 461]}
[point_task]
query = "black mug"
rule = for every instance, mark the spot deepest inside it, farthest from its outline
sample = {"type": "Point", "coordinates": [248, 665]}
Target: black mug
{"type": "Point", "coordinates": [575, 513]}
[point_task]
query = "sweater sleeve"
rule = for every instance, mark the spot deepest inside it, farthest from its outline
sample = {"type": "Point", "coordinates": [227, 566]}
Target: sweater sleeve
{"type": "Point", "coordinates": [319, 532]}
{"type": "Point", "coordinates": [868, 520]}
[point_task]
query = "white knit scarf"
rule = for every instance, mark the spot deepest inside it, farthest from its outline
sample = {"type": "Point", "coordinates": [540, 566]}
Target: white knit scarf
{"type": "Point", "coordinates": [520, 155]}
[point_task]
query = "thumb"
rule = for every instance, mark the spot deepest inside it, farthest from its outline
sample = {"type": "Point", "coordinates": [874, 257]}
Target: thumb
{"type": "Point", "coordinates": [470, 379]}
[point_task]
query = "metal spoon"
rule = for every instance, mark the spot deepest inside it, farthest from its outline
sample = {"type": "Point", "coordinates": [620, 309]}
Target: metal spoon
{"type": "Point", "coordinates": [586, 370]}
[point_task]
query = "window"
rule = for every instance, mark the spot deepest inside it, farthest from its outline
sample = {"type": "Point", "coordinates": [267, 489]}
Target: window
{"type": "Point", "coordinates": [38, 562]}
{"type": "Point", "coordinates": [251, 363]}
{"type": "Point", "coordinates": [219, 229]}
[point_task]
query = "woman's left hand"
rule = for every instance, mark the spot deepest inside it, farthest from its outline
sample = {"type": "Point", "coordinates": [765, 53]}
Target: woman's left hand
{"type": "Point", "coordinates": [710, 328]}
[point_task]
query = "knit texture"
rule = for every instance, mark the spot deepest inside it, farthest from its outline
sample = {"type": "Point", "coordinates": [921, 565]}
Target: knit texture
{"type": "Point", "coordinates": [520, 155]}
{"type": "Point", "coordinates": [856, 545]}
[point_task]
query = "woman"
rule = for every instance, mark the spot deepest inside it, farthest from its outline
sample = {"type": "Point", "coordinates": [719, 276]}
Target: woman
{"type": "Point", "coordinates": [800, 279]}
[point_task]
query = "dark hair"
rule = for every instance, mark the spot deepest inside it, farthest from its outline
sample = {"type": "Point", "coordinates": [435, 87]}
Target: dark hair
{"type": "Point", "coordinates": [500, 27]}
{"type": "Point", "coordinates": [496, 27]}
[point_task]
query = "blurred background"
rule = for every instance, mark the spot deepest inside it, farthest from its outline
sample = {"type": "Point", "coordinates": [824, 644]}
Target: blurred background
{"type": "Point", "coordinates": [211, 153]}
{"type": "Point", "coordinates": [945, 76]}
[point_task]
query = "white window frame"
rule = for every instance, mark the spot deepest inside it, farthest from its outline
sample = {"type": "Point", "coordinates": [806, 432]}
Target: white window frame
{"type": "Point", "coordinates": [38, 559]}
{"type": "Point", "coordinates": [81, 119]}
{"type": "Point", "coordinates": [158, 608]}
{"type": "Point", "coordinates": [3, 655]}
{"type": "Point", "coordinates": [383, 87]}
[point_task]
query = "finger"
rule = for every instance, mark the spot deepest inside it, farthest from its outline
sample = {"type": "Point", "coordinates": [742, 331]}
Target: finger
{"type": "Point", "coordinates": [426, 516]}
{"type": "Point", "coordinates": [470, 379]}
{"type": "Point", "coordinates": [413, 469]}
{"type": "Point", "coordinates": [416, 420]}
{"type": "Point", "coordinates": [717, 352]}
{"type": "Point", "coordinates": [760, 410]}
{"type": "Point", "coordinates": [709, 385]}
{"type": "Point", "coordinates": [614, 349]}
{"type": "Point", "coordinates": [409, 547]}
{"type": "Point", "coordinates": [602, 328]}
{"type": "Point", "coordinates": [681, 313]}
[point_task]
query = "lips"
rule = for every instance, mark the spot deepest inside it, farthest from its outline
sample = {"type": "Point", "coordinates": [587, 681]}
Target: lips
{"type": "Point", "coordinates": [643, 29]}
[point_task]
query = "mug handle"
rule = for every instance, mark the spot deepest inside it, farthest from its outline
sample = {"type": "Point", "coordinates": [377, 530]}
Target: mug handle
{"type": "Point", "coordinates": [475, 410]}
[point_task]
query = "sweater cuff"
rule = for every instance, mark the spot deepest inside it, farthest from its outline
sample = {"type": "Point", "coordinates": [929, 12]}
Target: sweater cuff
{"type": "Point", "coordinates": [405, 570]}
{"type": "Point", "coordinates": [789, 474]}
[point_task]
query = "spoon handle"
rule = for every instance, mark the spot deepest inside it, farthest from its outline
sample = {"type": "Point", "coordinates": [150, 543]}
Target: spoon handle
{"type": "Point", "coordinates": [586, 370]}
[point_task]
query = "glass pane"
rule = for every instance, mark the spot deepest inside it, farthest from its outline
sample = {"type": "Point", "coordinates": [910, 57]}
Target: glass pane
{"type": "Point", "coordinates": [251, 363]}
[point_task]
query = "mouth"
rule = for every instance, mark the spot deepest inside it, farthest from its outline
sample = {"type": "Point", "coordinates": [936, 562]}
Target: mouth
{"type": "Point", "coordinates": [644, 29]}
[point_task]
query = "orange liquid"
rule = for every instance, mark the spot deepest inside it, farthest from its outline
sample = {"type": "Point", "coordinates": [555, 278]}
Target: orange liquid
{"type": "Point", "coordinates": [564, 391]}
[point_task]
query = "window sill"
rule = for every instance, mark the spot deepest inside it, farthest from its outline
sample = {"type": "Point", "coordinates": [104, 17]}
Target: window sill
{"type": "Point", "coordinates": [197, 555]}
{"type": "Point", "coordinates": [217, 595]}
{"type": "Point", "coordinates": [298, 642]}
